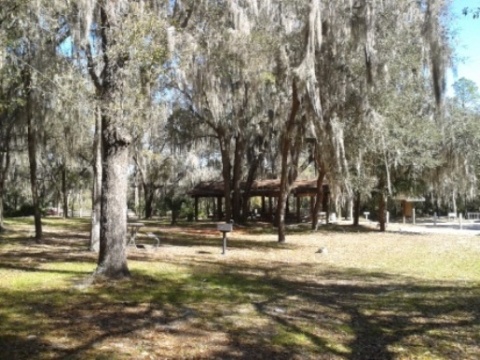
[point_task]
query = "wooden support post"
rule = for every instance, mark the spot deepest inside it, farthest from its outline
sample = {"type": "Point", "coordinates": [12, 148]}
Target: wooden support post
{"type": "Point", "coordinates": [196, 208]}
{"type": "Point", "coordinates": [312, 206]}
{"type": "Point", "coordinates": [270, 207]}
{"type": "Point", "coordinates": [299, 218]}
{"type": "Point", "coordinates": [219, 208]}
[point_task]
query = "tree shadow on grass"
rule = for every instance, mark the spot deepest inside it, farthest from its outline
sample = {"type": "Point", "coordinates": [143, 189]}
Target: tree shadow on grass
{"type": "Point", "coordinates": [16, 241]}
{"type": "Point", "coordinates": [388, 319]}
{"type": "Point", "coordinates": [261, 315]}
{"type": "Point", "coordinates": [386, 316]}
{"type": "Point", "coordinates": [20, 347]}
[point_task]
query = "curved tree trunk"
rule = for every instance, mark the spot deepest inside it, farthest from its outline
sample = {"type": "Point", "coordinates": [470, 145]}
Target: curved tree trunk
{"type": "Point", "coordinates": [252, 171]}
{"type": "Point", "coordinates": [286, 178]}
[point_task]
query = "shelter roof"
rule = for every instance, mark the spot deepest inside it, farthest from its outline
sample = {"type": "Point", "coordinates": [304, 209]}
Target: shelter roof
{"type": "Point", "coordinates": [207, 189]}
{"type": "Point", "coordinates": [408, 198]}
{"type": "Point", "coordinates": [259, 188]}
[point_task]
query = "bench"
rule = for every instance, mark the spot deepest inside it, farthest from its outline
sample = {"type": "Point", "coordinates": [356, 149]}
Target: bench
{"type": "Point", "coordinates": [145, 246]}
{"type": "Point", "coordinates": [452, 215]}
{"type": "Point", "coordinates": [153, 236]}
{"type": "Point", "coordinates": [473, 216]}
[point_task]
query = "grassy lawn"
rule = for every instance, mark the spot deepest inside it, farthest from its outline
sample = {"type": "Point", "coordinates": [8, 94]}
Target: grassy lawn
{"type": "Point", "coordinates": [368, 295]}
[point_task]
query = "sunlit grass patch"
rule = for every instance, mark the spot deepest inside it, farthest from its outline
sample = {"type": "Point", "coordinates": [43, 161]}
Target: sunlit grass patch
{"type": "Point", "coordinates": [288, 338]}
{"type": "Point", "coordinates": [43, 276]}
{"type": "Point", "coordinates": [19, 221]}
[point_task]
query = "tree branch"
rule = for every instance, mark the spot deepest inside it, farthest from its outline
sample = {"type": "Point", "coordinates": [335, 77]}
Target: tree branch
{"type": "Point", "coordinates": [91, 68]}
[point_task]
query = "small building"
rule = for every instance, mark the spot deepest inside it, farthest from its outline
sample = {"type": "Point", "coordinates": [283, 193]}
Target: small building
{"type": "Point", "coordinates": [408, 205]}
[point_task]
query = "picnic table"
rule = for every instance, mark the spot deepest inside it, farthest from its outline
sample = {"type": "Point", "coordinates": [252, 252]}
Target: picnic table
{"type": "Point", "coordinates": [132, 231]}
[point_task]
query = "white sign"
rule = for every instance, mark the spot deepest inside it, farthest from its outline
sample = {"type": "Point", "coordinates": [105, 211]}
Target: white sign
{"type": "Point", "coordinates": [224, 227]}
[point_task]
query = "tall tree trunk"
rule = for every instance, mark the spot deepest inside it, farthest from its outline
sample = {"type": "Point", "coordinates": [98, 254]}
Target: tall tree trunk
{"type": "Point", "coordinates": [136, 194]}
{"type": "Point", "coordinates": [226, 172]}
{"type": "Point", "coordinates": [381, 204]}
{"type": "Point", "coordinates": [64, 190]}
{"type": "Point", "coordinates": [356, 209]}
{"type": "Point", "coordinates": [4, 168]}
{"type": "Point", "coordinates": [381, 211]}
{"type": "Point", "coordinates": [149, 195]}
{"type": "Point", "coordinates": [285, 179]}
{"type": "Point", "coordinates": [237, 177]}
{"type": "Point", "coordinates": [2, 187]}
{"type": "Point", "coordinates": [454, 202]}
{"type": "Point", "coordinates": [32, 154]}
{"type": "Point", "coordinates": [2, 226]}
{"type": "Point", "coordinates": [97, 187]}
{"type": "Point", "coordinates": [32, 158]}
{"type": "Point", "coordinates": [350, 209]}
{"type": "Point", "coordinates": [252, 171]}
{"type": "Point", "coordinates": [175, 213]}
{"type": "Point", "coordinates": [6, 126]}
{"type": "Point", "coordinates": [148, 189]}
{"type": "Point", "coordinates": [319, 196]}
{"type": "Point", "coordinates": [112, 260]}
{"type": "Point", "coordinates": [174, 217]}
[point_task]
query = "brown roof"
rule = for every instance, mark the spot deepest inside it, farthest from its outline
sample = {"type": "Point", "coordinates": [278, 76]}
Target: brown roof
{"type": "Point", "coordinates": [259, 188]}
{"type": "Point", "coordinates": [207, 189]}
